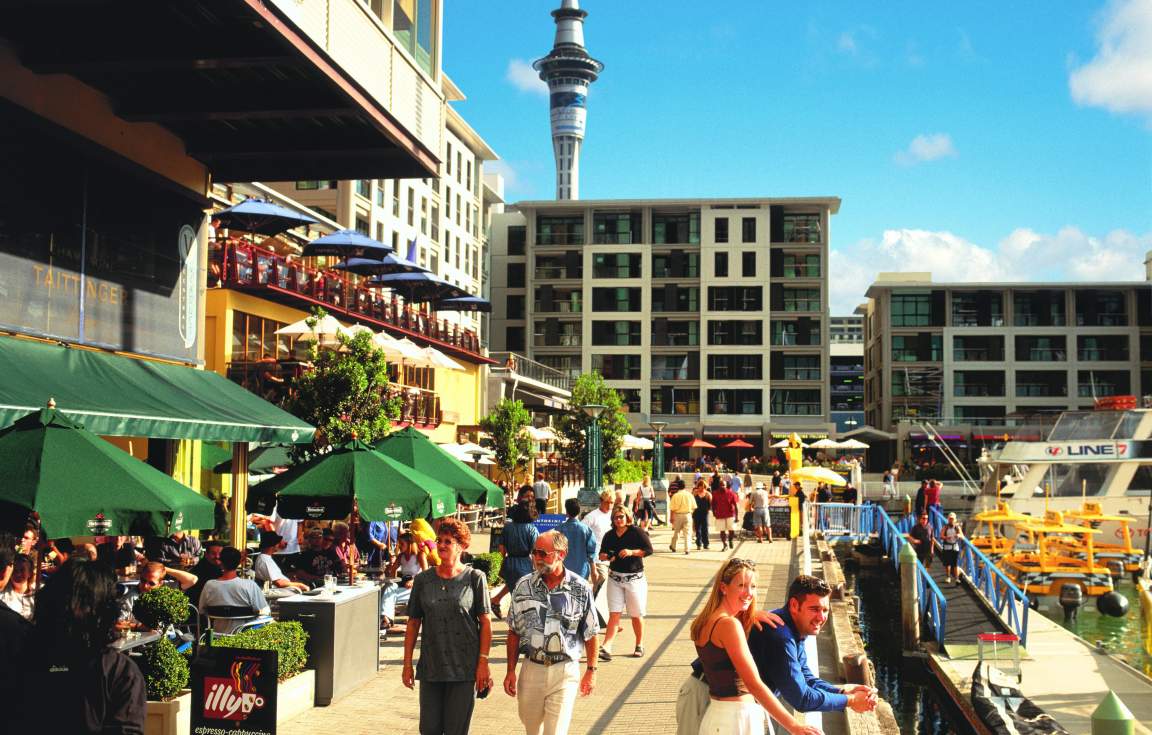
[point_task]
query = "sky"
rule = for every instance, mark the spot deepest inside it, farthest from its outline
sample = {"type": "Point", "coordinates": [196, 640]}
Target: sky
{"type": "Point", "coordinates": [981, 141]}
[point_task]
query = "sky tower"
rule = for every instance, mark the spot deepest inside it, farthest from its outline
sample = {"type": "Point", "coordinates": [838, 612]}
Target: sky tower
{"type": "Point", "coordinates": [568, 70]}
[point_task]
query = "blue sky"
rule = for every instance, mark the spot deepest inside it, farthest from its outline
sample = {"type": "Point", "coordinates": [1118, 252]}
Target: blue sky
{"type": "Point", "coordinates": [980, 141]}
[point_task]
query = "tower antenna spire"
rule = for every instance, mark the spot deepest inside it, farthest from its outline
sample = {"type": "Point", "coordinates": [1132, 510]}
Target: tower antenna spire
{"type": "Point", "coordinates": [568, 70]}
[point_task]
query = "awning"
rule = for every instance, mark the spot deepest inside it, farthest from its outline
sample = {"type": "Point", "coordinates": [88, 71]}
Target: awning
{"type": "Point", "coordinates": [120, 396]}
{"type": "Point", "coordinates": [733, 431]}
{"type": "Point", "coordinates": [868, 434]}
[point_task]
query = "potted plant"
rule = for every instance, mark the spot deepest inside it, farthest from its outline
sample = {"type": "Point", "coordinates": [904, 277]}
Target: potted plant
{"type": "Point", "coordinates": [165, 675]}
{"type": "Point", "coordinates": [297, 690]}
{"type": "Point", "coordinates": [161, 607]}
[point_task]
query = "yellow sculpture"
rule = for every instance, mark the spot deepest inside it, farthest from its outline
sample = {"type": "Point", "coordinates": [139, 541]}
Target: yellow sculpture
{"type": "Point", "coordinates": [794, 452]}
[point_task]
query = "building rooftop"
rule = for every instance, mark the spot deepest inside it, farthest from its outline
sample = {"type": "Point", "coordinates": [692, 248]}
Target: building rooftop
{"type": "Point", "coordinates": [833, 203]}
{"type": "Point", "coordinates": [890, 281]}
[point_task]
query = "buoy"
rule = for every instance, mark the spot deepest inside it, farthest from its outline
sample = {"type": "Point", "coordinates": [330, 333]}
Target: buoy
{"type": "Point", "coordinates": [1113, 604]}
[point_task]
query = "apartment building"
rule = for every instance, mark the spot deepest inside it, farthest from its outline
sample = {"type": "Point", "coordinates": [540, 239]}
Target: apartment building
{"type": "Point", "coordinates": [984, 360]}
{"type": "Point", "coordinates": [710, 314]}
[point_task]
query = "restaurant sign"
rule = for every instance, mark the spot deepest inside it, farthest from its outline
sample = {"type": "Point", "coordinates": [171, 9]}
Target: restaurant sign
{"type": "Point", "coordinates": [234, 692]}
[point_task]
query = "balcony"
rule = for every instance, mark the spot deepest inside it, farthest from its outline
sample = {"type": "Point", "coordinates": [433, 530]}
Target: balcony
{"type": "Point", "coordinates": [245, 267]}
{"type": "Point", "coordinates": [529, 368]}
{"type": "Point", "coordinates": [420, 407]}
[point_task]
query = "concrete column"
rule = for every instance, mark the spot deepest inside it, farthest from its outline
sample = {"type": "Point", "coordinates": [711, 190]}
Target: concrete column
{"type": "Point", "coordinates": [909, 599]}
{"type": "Point", "coordinates": [239, 533]}
{"type": "Point", "coordinates": [1111, 717]}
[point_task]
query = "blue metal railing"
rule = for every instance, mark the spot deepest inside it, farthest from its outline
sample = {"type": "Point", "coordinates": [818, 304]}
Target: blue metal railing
{"type": "Point", "coordinates": [1009, 602]}
{"type": "Point", "coordinates": [933, 604]}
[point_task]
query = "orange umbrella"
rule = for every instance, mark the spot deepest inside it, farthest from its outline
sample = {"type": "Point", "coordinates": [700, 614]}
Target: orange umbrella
{"type": "Point", "coordinates": [738, 444]}
{"type": "Point", "coordinates": [698, 444]}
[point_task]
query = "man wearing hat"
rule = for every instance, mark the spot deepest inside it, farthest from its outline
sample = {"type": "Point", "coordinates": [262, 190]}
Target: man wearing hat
{"type": "Point", "coordinates": [267, 570]}
{"type": "Point", "coordinates": [759, 500]}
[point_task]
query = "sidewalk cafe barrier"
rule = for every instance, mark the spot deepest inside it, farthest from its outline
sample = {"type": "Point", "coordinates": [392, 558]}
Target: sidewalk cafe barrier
{"type": "Point", "coordinates": [1008, 600]}
{"type": "Point", "coordinates": [843, 519]}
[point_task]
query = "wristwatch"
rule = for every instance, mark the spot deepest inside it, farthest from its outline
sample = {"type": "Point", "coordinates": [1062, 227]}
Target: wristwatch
{"type": "Point", "coordinates": [592, 668]}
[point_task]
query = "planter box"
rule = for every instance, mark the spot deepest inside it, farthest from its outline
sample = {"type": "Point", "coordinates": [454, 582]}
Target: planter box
{"type": "Point", "coordinates": [293, 698]}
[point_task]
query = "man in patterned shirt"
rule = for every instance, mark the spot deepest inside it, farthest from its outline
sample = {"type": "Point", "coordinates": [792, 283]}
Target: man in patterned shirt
{"type": "Point", "coordinates": [550, 621]}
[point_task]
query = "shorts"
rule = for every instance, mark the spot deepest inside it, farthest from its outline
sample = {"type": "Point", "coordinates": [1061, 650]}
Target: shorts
{"type": "Point", "coordinates": [760, 517]}
{"type": "Point", "coordinates": [630, 596]}
{"type": "Point", "coordinates": [734, 718]}
{"type": "Point", "coordinates": [949, 557]}
{"type": "Point", "coordinates": [725, 524]}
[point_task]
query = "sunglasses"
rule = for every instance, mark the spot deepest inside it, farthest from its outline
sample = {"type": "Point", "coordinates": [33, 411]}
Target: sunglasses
{"type": "Point", "coordinates": [541, 553]}
{"type": "Point", "coordinates": [619, 518]}
{"type": "Point", "coordinates": [734, 562]}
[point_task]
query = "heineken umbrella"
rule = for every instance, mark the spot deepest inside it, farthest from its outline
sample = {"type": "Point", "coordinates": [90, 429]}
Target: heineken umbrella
{"type": "Point", "coordinates": [325, 487]}
{"type": "Point", "coordinates": [417, 451]}
{"type": "Point", "coordinates": [261, 460]}
{"type": "Point", "coordinates": [81, 485]}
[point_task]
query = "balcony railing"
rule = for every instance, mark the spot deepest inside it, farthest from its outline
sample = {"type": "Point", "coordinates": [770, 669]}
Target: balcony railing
{"type": "Point", "coordinates": [419, 407]}
{"type": "Point", "coordinates": [240, 265]}
{"type": "Point", "coordinates": [533, 370]}
{"type": "Point", "coordinates": [977, 354]}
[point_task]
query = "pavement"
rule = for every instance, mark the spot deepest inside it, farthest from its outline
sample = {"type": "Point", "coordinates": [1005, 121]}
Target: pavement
{"type": "Point", "coordinates": [632, 695]}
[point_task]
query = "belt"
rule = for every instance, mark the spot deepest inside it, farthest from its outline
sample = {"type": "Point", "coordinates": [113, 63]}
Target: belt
{"type": "Point", "coordinates": [541, 658]}
{"type": "Point", "coordinates": [625, 577]}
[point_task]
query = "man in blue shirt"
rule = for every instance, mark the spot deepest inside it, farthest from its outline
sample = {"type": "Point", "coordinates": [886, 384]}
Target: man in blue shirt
{"type": "Point", "coordinates": [783, 664]}
{"type": "Point", "coordinates": [581, 542]}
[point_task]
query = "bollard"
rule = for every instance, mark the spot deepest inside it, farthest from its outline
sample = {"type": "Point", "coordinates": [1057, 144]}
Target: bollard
{"type": "Point", "coordinates": [858, 670]}
{"type": "Point", "coordinates": [1111, 717]}
{"type": "Point", "coordinates": [909, 599]}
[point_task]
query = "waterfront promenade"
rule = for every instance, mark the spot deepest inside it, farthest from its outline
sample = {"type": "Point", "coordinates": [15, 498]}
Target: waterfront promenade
{"type": "Point", "coordinates": [633, 695]}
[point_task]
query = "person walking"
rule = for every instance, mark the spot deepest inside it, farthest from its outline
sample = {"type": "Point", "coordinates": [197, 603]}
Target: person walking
{"type": "Point", "coordinates": [644, 504]}
{"type": "Point", "coordinates": [680, 507]}
{"type": "Point", "coordinates": [950, 536]}
{"type": "Point", "coordinates": [581, 541]}
{"type": "Point", "coordinates": [921, 538]}
{"type": "Point", "coordinates": [740, 701]}
{"type": "Point", "coordinates": [703, 500]}
{"type": "Point", "coordinates": [543, 491]}
{"type": "Point", "coordinates": [889, 485]}
{"type": "Point", "coordinates": [624, 548]}
{"type": "Point", "coordinates": [759, 498]}
{"type": "Point", "coordinates": [801, 499]}
{"type": "Point", "coordinates": [725, 506]}
{"type": "Point", "coordinates": [550, 623]}
{"type": "Point", "coordinates": [932, 495]}
{"type": "Point", "coordinates": [450, 603]}
{"type": "Point", "coordinates": [599, 520]}
{"type": "Point", "coordinates": [516, 546]}
{"type": "Point", "coordinates": [921, 497]}
{"type": "Point", "coordinates": [776, 480]}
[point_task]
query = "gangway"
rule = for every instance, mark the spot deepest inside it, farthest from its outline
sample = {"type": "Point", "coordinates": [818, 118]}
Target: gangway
{"type": "Point", "coordinates": [970, 485]}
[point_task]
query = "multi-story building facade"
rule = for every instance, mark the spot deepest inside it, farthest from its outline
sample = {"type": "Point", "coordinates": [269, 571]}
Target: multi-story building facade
{"type": "Point", "coordinates": [710, 314]}
{"type": "Point", "coordinates": [846, 371]}
{"type": "Point", "coordinates": [846, 329]}
{"type": "Point", "coordinates": [984, 360]}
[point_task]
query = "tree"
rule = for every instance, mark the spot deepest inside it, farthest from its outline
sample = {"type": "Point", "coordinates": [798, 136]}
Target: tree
{"type": "Point", "coordinates": [506, 426]}
{"type": "Point", "coordinates": [590, 388]}
{"type": "Point", "coordinates": [345, 394]}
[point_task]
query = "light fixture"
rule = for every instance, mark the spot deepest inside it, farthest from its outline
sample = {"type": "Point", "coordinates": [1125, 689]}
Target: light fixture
{"type": "Point", "coordinates": [593, 410]}
{"type": "Point", "coordinates": [658, 426]}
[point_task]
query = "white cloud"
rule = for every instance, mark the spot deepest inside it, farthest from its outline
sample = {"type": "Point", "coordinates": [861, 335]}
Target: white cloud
{"type": "Point", "coordinates": [1022, 255]}
{"type": "Point", "coordinates": [1119, 77]}
{"type": "Point", "coordinates": [523, 77]}
{"type": "Point", "coordinates": [511, 177]}
{"type": "Point", "coordinates": [926, 147]}
{"type": "Point", "coordinates": [846, 43]}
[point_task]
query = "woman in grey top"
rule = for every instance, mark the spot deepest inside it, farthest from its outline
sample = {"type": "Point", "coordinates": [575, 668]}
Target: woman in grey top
{"type": "Point", "coordinates": [450, 602]}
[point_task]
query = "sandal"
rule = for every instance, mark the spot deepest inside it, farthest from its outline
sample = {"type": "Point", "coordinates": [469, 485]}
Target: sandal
{"type": "Point", "coordinates": [639, 652]}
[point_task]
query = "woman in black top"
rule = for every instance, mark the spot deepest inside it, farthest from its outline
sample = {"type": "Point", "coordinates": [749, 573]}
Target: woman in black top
{"type": "Point", "coordinates": [625, 547]}
{"type": "Point", "coordinates": [703, 500]}
{"type": "Point", "coordinates": [74, 682]}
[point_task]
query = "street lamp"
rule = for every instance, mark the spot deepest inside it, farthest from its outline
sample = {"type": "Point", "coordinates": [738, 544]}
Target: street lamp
{"type": "Point", "coordinates": [593, 462]}
{"type": "Point", "coordinates": [658, 455]}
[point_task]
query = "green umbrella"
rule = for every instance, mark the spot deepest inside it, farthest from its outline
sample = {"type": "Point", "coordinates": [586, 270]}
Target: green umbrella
{"type": "Point", "coordinates": [408, 446]}
{"type": "Point", "coordinates": [384, 489]}
{"type": "Point", "coordinates": [81, 485]}
{"type": "Point", "coordinates": [261, 460]}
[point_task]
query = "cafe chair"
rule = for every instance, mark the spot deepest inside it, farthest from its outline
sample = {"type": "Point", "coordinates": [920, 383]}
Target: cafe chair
{"type": "Point", "coordinates": [239, 618]}
{"type": "Point", "coordinates": [186, 636]}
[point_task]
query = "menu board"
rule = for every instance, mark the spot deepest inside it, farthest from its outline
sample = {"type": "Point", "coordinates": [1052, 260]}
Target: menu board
{"type": "Point", "coordinates": [780, 516]}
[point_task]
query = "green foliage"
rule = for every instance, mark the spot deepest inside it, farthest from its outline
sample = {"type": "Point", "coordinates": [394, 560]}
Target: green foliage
{"type": "Point", "coordinates": [287, 639]}
{"type": "Point", "coordinates": [345, 394]}
{"type": "Point", "coordinates": [625, 470]}
{"type": "Point", "coordinates": [165, 670]}
{"type": "Point", "coordinates": [590, 388]}
{"type": "Point", "coordinates": [160, 607]}
{"type": "Point", "coordinates": [489, 563]}
{"type": "Point", "coordinates": [506, 426]}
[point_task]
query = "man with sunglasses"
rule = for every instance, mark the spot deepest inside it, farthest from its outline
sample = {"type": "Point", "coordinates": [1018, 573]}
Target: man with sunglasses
{"type": "Point", "coordinates": [551, 621]}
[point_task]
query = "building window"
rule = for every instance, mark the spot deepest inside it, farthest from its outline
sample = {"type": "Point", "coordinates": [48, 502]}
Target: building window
{"type": "Point", "coordinates": [619, 334]}
{"type": "Point", "coordinates": [515, 307]}
{"type": "Point", "coordinates": [556, 230]}
{"type": "Point", "coordinates": [630, 397]}
{"type": "Point", "coordinates": [720, 265]}
{"type": "Point", "coordinates": [735, 298]}
{"type": "Point", "coordinates": [517, 239]}
{"type": "Point", "coordinates": [669, 401]}
{"type": "Point", "coordinates": [412, 207]}
{"type": "Point", "coordinates": [671, 367]}
{"type": "Point", "coordinates": [617, 367]}
{"type": "Point", "coordinates": [615, 228]}
{"type": "Point", "coordinates": [1102, 348]}
{"type": "Point", "coordinates": [314, 185]}
{"type": "Point", "coordinates": [681, 228]}
{"type": "Point", "coordinates": [911, 310]}
{"type": "Point", "coordinates": [1053, 348]}
{"type": "Point", "coordinates": [396, 199]}
{"type": "Point", "coordinates": [720, 227]}
{"type": "Point", "coordinates": [514, 339]}
{"type": "Point", "coordinates": [923, 347]}
{"type": "Point", "coordinates": [802, 228]}
{"type": "Point", "coordinates": [1041, 384]}
{"type": "Point", "coordinates": [801, 367]}
{"type": "Point", "coordinates": [791, 402]}
{"type": "Point", "coordinates": [735, 402]}
{"type": "Point", "coordinates": [555, 333]}
{"type": "Point", "coordinates": [1101, 308]}
{"type": "Point", "coordinates": [748, 230]}
{"type": "Point", "coordinates": [254, 338]}
{"type": "Point", "coordinates": [676, 333]}
{"type": "Point", "coordinates": [616, 299]}
{"type": "Point", "coordinates": [748, 264]}
{"type": "Point", "coordinates": [802, 299]}
{"type": "Point", "coordinates": [567, 364]}
{"type": "Point", "coordinates": [978, 383]}
{"type": "Point", "coordinates": [977, 348]}
{"type": "Point", "coordinates": [735, 367]}
{"type": "Point", "coordinates": [803, 331]}
{"type": "Point", "coordinates": [978, 309]}
{"type": "Point", "coordinates": [734, 332]}
{"type": "Point", "coordinates": [801, 266]}
{"type": "Point", "coordinates": [364, 188]}
{"type": "Point", "coordinates": [515, 275]}
{"type": "Point", "coordinates": [675, 298]}
{"type": "Point", "coordinates": [363, 227]}
{"type": "Point", "coordinates": [1102, 383]}
{"type": "Point", "coordinates": [561, 300]}
{"type": "Point", "coordinates": [1039, 309]}
{"type": "Point", "coordinates": [616, 265]}
{"type": "Point", "coordinates": [676, 264]}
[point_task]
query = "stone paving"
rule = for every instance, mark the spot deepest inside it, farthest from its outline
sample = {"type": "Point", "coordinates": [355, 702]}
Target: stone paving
{"type": "Point", "coordinates": [633, 695]}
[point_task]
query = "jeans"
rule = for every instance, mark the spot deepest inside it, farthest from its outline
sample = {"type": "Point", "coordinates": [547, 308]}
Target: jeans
{"type": "Point", "coordinates": [700, 524]}
{"type": "Point", "coordinates": [391, 596]}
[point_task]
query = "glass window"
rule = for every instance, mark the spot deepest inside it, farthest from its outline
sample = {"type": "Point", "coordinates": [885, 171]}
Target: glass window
{"type": "Point", "coordinates": [364, 188]}
{"type": "Point", "coordinates": [1038, 308]}
{"type": "Point", "coordinates": [412, 25]}
{"type": "Point", "coordinates": [911, 310]}
{"type": "Point", "coordinates": [616, 299]}
{"type": "Point", "coordinates": [682, 228]}
{"type": "Point", "coordinates": [735, 332]}
{"type": "Point", "coordinates": [735, 367]}
{"type": "Point", "coordinates": [917, 347]}
{"type": "Point", "coordinates": [1051, 348]}
{"type": "Point", "coordinates": [617, 367]}
{"type": "Point", "coordinates": [670, 367]}
{"type": "Point", "coordinates": [735, 402]}
{"type": "Point", "coordinates": [671, 401]}
{"type": "Point", "coordinates": [515, 275]}
{"type": "Point", "coordinates": [615, 228]}
{"type": "Point", "coordinates": [802, 299]}
{"type": "Point", "coordinates": [630, 397]}
{"type": "Point", "coordinates": [793, 402]}
{"type": "Point", "coordinates": [978, 309]}
{"type": "Point", "coordinates": [559, 230]}
{"type": "Point", "coordinates": [677, 264]}
{"type": "Point", "coordinates": [616, 265]}
{"type": "Point", "coordinates": [801, 367]}
{"type": "Point", "coordinates": [720, 265]}
{"type": "Point", "coordinates": [616, 333]}
{"type": "Point", "coordinates": [748, 229]}
{"type": "Point", "coordinates": [682, 299]}
{"type": "Point", "coordinates": [515, 307]}
{"type": "Point", "coordinates": [735, 298]}
{"type": "Point", "coordinates": [682, 334]}
{"type": "Point", "coordinates": [801, 266]}
{"type": "Point", "coordinates": [801, 228]}
{"type": "Point", "coordinates": [748, 264]}
{"type": "Point", "coordinates": [720, 225]}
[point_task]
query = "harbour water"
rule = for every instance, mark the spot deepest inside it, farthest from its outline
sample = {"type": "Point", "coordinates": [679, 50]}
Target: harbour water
{"type": "Point", "coordinates": [1119, 636]}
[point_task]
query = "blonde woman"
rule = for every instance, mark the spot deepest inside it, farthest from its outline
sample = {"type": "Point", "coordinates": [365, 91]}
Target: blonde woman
{"type": "Point", "coordinates": [738, 697]}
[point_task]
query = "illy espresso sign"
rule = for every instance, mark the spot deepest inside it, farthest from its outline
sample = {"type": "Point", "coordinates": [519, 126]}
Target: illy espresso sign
{"type": "Point", "coordinates": [234, 692]}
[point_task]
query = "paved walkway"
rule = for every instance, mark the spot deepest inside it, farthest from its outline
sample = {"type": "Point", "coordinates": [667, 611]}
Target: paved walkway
{"type": "Point", "coordinates": [633, 696]}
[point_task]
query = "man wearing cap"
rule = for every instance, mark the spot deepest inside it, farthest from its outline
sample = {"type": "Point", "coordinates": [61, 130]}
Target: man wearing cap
{"type": "Point", "coordinates": [267, 570]}
{"type": "Point", "coordinates": [760, 523]}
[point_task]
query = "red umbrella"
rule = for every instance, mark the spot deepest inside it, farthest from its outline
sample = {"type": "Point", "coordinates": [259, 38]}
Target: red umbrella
{"type": "Point", "coordinates": [738, 444]}
{"type": "Point", "coordinates": [667, 444]}
{"type": "Point", "coordinates": [698, 444]}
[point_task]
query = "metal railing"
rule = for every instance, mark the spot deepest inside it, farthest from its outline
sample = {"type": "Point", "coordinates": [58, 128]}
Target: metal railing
{"type": "Point", "coordinates": [1009, 602]}
{"type": "Point", "coordinates": [533, 370]}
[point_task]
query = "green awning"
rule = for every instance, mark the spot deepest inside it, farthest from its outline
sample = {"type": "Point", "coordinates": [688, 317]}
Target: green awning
{"type": "Point", "coordinates": [119, 396]}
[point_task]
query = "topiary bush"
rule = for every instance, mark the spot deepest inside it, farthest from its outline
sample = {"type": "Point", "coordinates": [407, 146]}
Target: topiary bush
{"type": "Point", "coordinates": [288, 639]}
{"type": "Point", "coordinates": [160, 607]}
{"type": "Point", "coordinates": [489, 563]}
{"type": "Point", "coordinates": [165, 670]}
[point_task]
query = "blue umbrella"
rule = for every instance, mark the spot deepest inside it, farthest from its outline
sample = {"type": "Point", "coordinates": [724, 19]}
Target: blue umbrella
{"type": "Point", "coordinates": [347, 244]}
{"type": "Point", "coordinates": [262, 217]}
{"type": "Point", "coordinates": [392, 263]}
{"type": "Point", "coordinates": [419, 287]}
{"type": "Point", "coordinates": [464, 303]}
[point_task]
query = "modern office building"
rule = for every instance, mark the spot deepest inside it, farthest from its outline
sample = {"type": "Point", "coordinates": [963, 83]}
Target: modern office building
{"type": "Point", "coordinates": [569, 71]}
{"type": "Point", "coordinates": [980, 361]}
{"type": "Point", "coordinates": [710, 314]}
{"type": "Point", "coordinates": [846, 329]}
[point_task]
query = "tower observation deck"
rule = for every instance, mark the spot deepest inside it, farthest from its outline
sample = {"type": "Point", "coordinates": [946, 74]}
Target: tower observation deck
{"type": "Point", "coordinates": [568, 70]}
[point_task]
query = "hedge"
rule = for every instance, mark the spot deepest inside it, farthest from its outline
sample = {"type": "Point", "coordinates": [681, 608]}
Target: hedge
{"type": "Point", "coordinates": [288, 639]}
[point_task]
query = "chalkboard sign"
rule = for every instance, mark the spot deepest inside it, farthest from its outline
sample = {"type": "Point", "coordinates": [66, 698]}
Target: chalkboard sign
{"type": "Point", "coordinates": [780, 516]}
{"type": "Point", "coordinates": [234, 691]}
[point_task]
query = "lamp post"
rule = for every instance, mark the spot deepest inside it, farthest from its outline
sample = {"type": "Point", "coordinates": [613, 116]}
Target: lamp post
{"type": "Point", "coordinates": [593, 461]}
{"type": "Point", "coordinates": [658, 482]}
